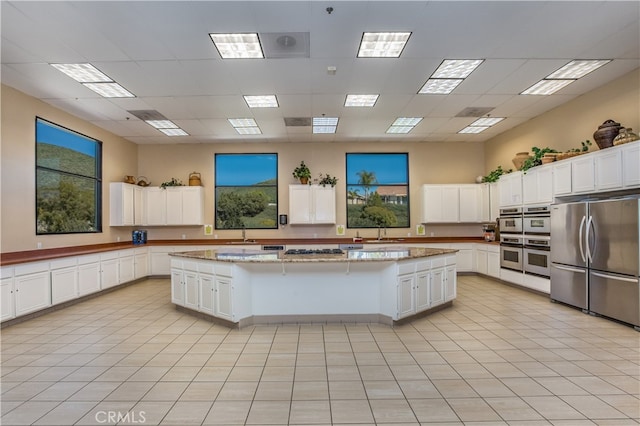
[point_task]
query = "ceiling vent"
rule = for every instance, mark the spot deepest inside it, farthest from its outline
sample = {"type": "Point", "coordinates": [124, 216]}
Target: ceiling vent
{"type": "Point", "coordinates": [285, 45]}
{"type": "Point", "coordinates": [147, 114]}
{"type": "Point", "coordinates": [475, 111]}
{"type": "Point", "coordinates": [297, 121]}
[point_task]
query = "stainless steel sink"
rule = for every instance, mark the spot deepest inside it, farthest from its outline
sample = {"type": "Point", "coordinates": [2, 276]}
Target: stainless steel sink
{"type": "Point", "coordinates": [381, 241]}
{"type": "Point", "coordinates": [243, 242]}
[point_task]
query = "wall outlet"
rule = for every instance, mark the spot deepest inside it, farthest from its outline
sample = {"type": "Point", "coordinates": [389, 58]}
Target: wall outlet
{"type": "Point", "coordinates": [184, 236]}
{"type": "Point", "coordinates": [215, 236]}
{"type": "Point", "coordinates": [118, 239]}
{"type": "Point", "coordinates": [39, 245]}
{"type": "Point", "coordinates": [432, 234]}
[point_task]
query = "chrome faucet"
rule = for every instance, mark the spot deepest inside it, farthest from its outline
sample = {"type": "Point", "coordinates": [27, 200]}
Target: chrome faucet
{"type": "Point", "coordinates": [381, 232]}
{"type": "Point", "coordinates": [244, 234]}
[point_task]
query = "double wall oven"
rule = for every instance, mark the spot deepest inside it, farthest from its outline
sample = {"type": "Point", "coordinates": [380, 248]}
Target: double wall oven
{"type": "Point", "coordinates": [525, 241]}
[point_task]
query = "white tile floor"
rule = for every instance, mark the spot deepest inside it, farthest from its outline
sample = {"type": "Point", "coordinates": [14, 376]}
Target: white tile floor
{"type": "Point", "coordinates": [499, 356]}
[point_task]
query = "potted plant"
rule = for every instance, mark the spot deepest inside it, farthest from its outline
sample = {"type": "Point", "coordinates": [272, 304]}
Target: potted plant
{"type": "Point", "coordinates": [172, 182]}
{"type": "Point", "coordinates": [584, 147]}
{"type": "Point", "coordinates": [536, 158]}
{"type": "Point", "coordinates": [327, 180]}
{"type": "Point", "coordinates": [494, 175]}
{"type": "Point", "coordinates": [302, 173]}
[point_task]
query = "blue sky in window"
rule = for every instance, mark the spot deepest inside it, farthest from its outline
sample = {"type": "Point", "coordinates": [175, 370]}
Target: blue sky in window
{"type": "Point", "coordinates": [245, 169]}
{"type": "Point", "coordinates": [390, 169]}
{"type": "Point", "coordinates": [54, 135]}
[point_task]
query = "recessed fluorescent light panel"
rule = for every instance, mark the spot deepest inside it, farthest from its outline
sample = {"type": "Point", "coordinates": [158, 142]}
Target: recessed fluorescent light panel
{"type": "Point", "coordinates": [261, 101]}
{"type": "Point", "coordinates": [404, 125]}
{"type": "Point", "coordinates": [449, 75]}
{"type": "Point", "coordinates": [487, 121]}
{"type": "Point", "coordinates": [238, 46]}
{"type": "Point", "coordinates": [546, 87]}
{"type": "Point", "coordinates": [94, 79]}
{"type": "Point", "coordinates": [325, 124]}
{"type": "Point", "coordinates": [167, 127]}
{"type": "Point", "coordinates": [174, 132]}
{"type": "Point", "coordinates": [564, 76]}
{"type": "Point", "coordinates": [245, 126]}
{"type": "Point", "coordinates": [474, 129]}
{"type": "Point", "coordinates": [361, 100]}
{"type": "Point", "coordinates": [83, 73]}
{"type": "Point", "coordinates": [383, 45]}
{"type": "Point", "coordinates": [576, 69]}
{"type": "Point", "coordinates": [439, 86]}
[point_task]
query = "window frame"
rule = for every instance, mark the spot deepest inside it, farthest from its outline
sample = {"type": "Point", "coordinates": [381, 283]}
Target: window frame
{"type": "Point", "coordinates": [216, 186]}
{"type": "Point", "coordinates": [348, 184]}
{"type": "Point", "coordinates": [97, 180]}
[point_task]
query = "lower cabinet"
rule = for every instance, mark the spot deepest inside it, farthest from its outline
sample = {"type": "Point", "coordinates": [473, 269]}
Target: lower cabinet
{"type": "Point", "coordinates": [141, 264]}
{"type": "Point", "coordinates": [450, 281]}
{"type": "Point", "coordinates": [487, 260]}
{"type": "Point", "coordinates": [32, 292]}
{"type": "Point", "coordinates": [177, 287]}
{"type": "Point", "coordinates": [406, 295]}
{"type": "Point", "coordinates": [88, 274]}
{"type": "Point", "coordinates": [437, 286]}
{"type": "Point", "coordinates": [126, 267]}
{"type": "Point", "coordinates": [207, 287]}
{"type": "Point", "coordinates": [191, 290]}
{"type": "Point", "coordinates": [224, 294]}
{"type": "Point", "coordinates": [7, 302]}
{"type": "Point", "coordinates": [64, 284]}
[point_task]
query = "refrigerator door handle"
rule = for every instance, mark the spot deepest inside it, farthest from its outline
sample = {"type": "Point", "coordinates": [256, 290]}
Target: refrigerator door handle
{"type": "Point", "coordinates": [566, 268]}
{"type": "Point", "coordinates": [615, 277]}
{"type": "Point", "coordinates": [580, 240]}
{"type": "Point", "coordinates": [590, 252]}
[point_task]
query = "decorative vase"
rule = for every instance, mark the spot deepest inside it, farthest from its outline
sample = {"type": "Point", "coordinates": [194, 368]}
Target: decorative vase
{"type": "Point", "coordinates": [625, 136]}
{"type": "Point", "coordinates": [606, 133]}
{"type": "Point", "coordinates": [519, 159]}
{"type": "Point", "coordinates": [304, 180]}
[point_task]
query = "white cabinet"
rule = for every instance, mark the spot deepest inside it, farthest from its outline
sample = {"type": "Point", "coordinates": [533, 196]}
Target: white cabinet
{"type": "Point", "coordinates": [155, 200]}
{"type": "Point", "coordinates": [207, 287]}
{"type": "Point", "coordinates": [422, 295]}
{"type": "Point", "coordinates": [464, 257]}
{"type": "Point", "coordinates": [185, 205]}
{"type": "Point", "coordinates": [582, 174]}
{"type": "Point", "coordinates": [312, 204]}
{"type": "Point", "coordinates": [537, 185]}
{"type": "Point", "coordinates": [122, 201]}
{"type": "Point", "coordinates": [562, 178]}
{"type": "Point", "coordinates": [631, 165]}
{"type": "Point", "coordinates": [140, 263]}
{"type": "Point", "coordinates": [608, 169]}
{"type": "Point", "coordinates": [109, 276]}
{"type": "Point", "coordinates": [88, 274]}
{"type": "Point", "coordinates": [126, 266]}
{"type": "Point", "coordinates": [64, 280]}
{"type": "Point", "coordinates": [490, 201]}
{"type": "Point", "coordinates": [451, 203]}
{"type": "Point", "coordinates": [7, 300]}
{"type": "Point", "coordinates": [437, 286]}
{"type": "Point", "coordinates": [177, 287]}
{"type": "Point", "coordinates": [191, 290]}
{"type": "Point", "coordinates": [510, 188]}
{"type": "Point", "coordinates": [450, 283]}
{"type": "Point", "coordinates": [481, 261]}
{"type": "Point", "coordinates": [493, 261]}
{"type": "Point", "coordinates": [223, 299]}
{"type": "Point", "coordinates": [406, 295]}
{"type": "Point", "coordinates": [32, 287]}
{"type": "Point", "coordinates": [160, 261]}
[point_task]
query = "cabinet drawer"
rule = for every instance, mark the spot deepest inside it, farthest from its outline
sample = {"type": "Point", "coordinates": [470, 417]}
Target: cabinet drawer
{"type": "Point", "coordinates": [109, 255]}
{"type": "Point", "coordinates": [224, 270]}
{"type": "Point", "coordinates": [206, 268]}
{"type": "Point", "coordinates": [6, 272]}
{"type": "Point", "coordinates": [31, 268]}
{"type": "Point", "coordinates": [439, 262]}
{"type": "Point", "coordinates": [176, 263]}
{"type": "Point", "coordinates": [423, 265]}
{"type": "Point", "coordinates": [92, 258]}
{"type": "Point", "coordinates": [406, 268]}
{"type": "Point", "coordinates": [189, 265]}
{"type": "Point", "coordinates": [63, 263]}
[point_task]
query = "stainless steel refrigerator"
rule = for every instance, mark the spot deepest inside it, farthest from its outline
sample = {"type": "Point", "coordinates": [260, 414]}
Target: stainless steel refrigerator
{"type": "Point", "coordinates": [595, 261]}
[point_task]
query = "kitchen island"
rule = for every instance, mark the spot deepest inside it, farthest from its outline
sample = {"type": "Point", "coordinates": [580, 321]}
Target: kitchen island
{"type": "Point", "coordinates": [240, 287]}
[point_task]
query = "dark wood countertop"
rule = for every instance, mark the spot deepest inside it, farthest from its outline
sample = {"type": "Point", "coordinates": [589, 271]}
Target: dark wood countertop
{"type": "Point", "coordinates": [13, 258]}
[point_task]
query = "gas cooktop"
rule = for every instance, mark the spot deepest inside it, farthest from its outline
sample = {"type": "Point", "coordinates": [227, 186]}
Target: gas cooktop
{"type": "Point", "coordinates": [314, 251]}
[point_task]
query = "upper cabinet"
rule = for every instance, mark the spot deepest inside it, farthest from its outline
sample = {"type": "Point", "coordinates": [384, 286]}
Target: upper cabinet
{"type": "Point", "coordinates": [537, 185]}
{"type": "Point", "coordinates": [132, 205]}
{"type": "Point", "coordinates": [510, 187]}
{"type": "Point", "coordinates": [452, 203]}
{"type": "Point", "coordinates": [312, 204]}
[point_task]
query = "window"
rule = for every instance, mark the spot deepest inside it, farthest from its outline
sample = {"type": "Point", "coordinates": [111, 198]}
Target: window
{"type": "Point", "coordinates": [377, 190]}
{"type": "Point", "coordinates": [68, 181]}
{"type": "Point", "coordinates": [246, 191]}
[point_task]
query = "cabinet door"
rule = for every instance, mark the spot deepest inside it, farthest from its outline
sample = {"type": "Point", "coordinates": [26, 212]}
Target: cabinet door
{"type": "Point", "coordinates": [485, 202]}
{"type": "Point", "coordinates": [141, 265]}
{"type": "Point", "coordinates": [422, 295]}
{"type": "Point", "coordinates": [608, 170]}
{"type": "Point", "coordinates": [177, 287]}
{"type": "Point", "coordinates": [464, 259]}
{"type": "Point", "coordinates": [126, 269]}
{"type": "Point", "coordinates": [450, 283]}
{"type": "Point", "coordinates": [431, 204]}
{"type": "Point", "coordinates": [121, 208]}
{"type": "Point", "coordinates": [192, 205]}
{"type": "Point", "coordinates": [481, 262]}
{"type": "Point", "coordinates": [505, 191]}
{"type": "Point", "coordinates": [493, 264]}
{"type": "Point", "coordinates": [631, 165]}
{"type": "Point", "coordinates": [32, 292]}
{"type": "Point", "coordinates": [109, 276]}
{"type": "Point", "coordinates": [451, 204]}
{"type": "Point", "coordinates": [324, 204]}
{"type": "Point", "coordinates": [173, 206]}
{"type": "Point", "coordinates": [494, 193]}
{"type": "Point", "coordinates": [582, 175]}
{"type": "Point", "coordinates": [299, 204]}
{"type": "Point", "coordinates": [138, 206]}
{"type": "Point", "coordinates": [437, 286]}
{"type": "Point", "coordinates": [470, 204]}
{"type": "Point", "coordinates": [160, 261]}
{"type": "Point", "coordinates": [64, 284]}
{"type": "Point", "coordinates": [406, 290]}
{"type": "Point", "coordinates": [207, 294]}
{"type": "Point", "coordinates": [155, 206]}
{"type": "Point", "coordinates": [191, 290]}
{"type": "Point", "coordinates": [88, 278]}
{"type": "Point", "coordinates": [562, 178]}
{"type": "Point", "coordinates": [223, 299]}
{"type": "Point", "coordinates": [7, 301]}
{"type": "Point", "coordinates": [515, 186]}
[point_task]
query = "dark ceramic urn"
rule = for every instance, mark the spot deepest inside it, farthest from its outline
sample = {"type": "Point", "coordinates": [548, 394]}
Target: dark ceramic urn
{"type": "Point", "coordinates": [606, 133]}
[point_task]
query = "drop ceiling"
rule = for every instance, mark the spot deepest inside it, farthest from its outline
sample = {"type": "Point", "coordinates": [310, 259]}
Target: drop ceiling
{"type": "Point", "coordinates": [162, 52]}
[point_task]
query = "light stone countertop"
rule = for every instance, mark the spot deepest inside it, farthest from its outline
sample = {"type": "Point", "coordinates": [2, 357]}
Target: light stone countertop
{"type": "Point", "coordinates": [266, 256]}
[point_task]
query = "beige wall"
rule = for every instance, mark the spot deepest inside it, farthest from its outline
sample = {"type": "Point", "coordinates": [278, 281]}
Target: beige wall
{"type": "Point", "coordinates": [566, 126]}
{"type": "Point", "coordinates": [428, 163]}
{"type": "Point", "coordinates": [17, 176]}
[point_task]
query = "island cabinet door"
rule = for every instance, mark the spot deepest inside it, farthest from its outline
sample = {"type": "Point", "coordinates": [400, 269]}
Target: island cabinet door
{"type": "Point", "coordinates": [450, 283]}
{"type": "Point", "coordinates": [191, 290]}
{"type": "Point", "coordinates": [406, 292]}
{"type": "Point", "coordinates": [207, 294]}
{"type": "Point", "coordinates": [223, 300]}
{"type": "Point", "coordinates": [423, 297]}
{"type": "Point", "coordinates": [177, 287]}
{"type": "Point", "coordinates": [437, 286]}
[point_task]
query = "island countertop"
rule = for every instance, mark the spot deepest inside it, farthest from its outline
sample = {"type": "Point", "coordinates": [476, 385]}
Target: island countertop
{"type": "Point", "coordinates": [360, 255]}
